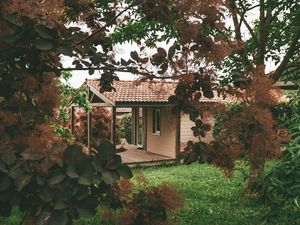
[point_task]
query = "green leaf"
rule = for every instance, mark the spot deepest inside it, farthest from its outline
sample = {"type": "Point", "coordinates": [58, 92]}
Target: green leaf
{"type": "Point", "coordinates": [43, 44]}
{"type": "Point", "coordinates": [60, 205]}
{"type": "Point", "coordinates": [91, 71]}
{"type": "Point", "coordinates": [208, 94]}
{"type": "Point", "coordinates": [44, 32]}
{"type": "Point", "coordinates": [106, 150]}
{"type": "Point", "coordinates": [82, 193]}
{"type": "Point", "coordinates": [86, 212]}
{"type": "Point", "coordinates": [73, 155]}
{"type": "Point", "coordinates": [125, 171]}
{"type": "Point", "coordinates": [97, 166]}
{"type": "Point", "coordinates": [110, 177]}
{"type": "Point", "coordinates": [40, 180]}
{"type": "Point", "coordinates": [71, 172]}
{"type": "Point", "coordinates": [13, 19]}
{"type": "Point", "coordinates": [22, 181]}
{"type": "Point", "coordinates": [8, 158]}
{"type": "Point", "coordinates": [65, 49]}
{"type": "Point", "coordinates": [11, 39]}
{"type": "Point", "coordinates": [4, 183]}
{"type": "Point", "coordinates": [58, 218]}
{"type": "Point", "coordinates": [56, 179]}
{"type": "Point", "coordinates": [84, 181]}
{"type": "Point", "coordinates": [45, 195]}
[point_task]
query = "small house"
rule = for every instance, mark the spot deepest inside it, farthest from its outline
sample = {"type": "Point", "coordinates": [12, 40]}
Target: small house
{"type": "Point", "coordinates": [155, 128]}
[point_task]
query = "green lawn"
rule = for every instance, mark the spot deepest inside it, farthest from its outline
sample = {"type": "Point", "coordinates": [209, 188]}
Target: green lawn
{"type": "Point", "coordinates": [210, 197]}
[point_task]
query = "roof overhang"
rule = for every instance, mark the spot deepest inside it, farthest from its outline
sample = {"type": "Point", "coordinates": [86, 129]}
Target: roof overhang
{"type": "Point", "coordinates": [101, 96]}
{"type": "Point", "coordinates": [143, 104]}
{"type": "Point", "coordinates": [108, 102]}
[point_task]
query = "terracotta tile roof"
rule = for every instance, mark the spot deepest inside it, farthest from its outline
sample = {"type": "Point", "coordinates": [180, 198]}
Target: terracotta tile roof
{"type": "Point", "coordinates": [123, 110]}
{"type": "Point", "coordinates": [143, 92]}
{"type": "Point", "coordinates": [131, 91]}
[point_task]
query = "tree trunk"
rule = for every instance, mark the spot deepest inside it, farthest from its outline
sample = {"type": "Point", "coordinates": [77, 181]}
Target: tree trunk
{"type": "Point", "coordinates": [256, 173]}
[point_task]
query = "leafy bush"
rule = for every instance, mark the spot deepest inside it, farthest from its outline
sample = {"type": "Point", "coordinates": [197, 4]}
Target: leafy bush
{"type": "Point", "coordinates": [69, 94]}
{"type": "Point", "coordinates": [147, 205]}
{"type": "Point", "coordinates": [125, 126]}
{"type": "Point", "coordinates": [281, 187]}
{"type": "Point", "coordinates": [61, 193]}
{"type": "Point", "coordinates": [101, 125]}
{"type": "Point", "coordinates": [232, 110]}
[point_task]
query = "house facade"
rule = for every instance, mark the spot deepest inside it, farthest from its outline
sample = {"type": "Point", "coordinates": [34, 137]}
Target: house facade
{"type": "Point", "coordinates": [155, 128]}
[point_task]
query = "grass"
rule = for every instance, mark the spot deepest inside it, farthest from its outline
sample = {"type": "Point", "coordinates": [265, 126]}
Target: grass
{"type": "Point", "coordinates": [211, 198]}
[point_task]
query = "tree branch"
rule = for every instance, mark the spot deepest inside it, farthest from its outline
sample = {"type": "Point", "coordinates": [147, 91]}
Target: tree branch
{"type": "Point", "coordinates": [289, 54]}
{"type": "Point", "coordinates": [242, 15]}
{"type": "Point", "coordinates": [261, 48]}
{"type": "Point", "coordinates": [237, 29]}
{"type": "Point", "coordinates": [106, 25]}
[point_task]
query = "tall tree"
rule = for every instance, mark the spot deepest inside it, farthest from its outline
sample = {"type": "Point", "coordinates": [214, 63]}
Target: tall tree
{"type": "Point", "coordinates": [269, 32]}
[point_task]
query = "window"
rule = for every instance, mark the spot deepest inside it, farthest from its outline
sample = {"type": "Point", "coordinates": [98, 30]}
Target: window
{"type": "Point", "coordinates": [156, 121]}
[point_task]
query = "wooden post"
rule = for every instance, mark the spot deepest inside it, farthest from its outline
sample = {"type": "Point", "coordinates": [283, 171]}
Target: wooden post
{"type": "Point", "coordinates": [133, 127]}
{"type": "Point", "coordinates": [114, 123]}
{"type": "Point", "coordinates": [89, 129]}
{"type": "Point", "coordinates": [89, 125]}
{"type": "Point", "coordinates": [145, 128]}
{"type": "Point", "coordinates": [72, 118]}
{"type": "Point", "coordinates": [177, 114]}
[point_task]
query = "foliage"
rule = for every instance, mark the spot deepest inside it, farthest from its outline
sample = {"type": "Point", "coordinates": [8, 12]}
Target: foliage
{"type": "Point", "coordinates": [273, 35]}
{"type": "Point", "coordinates": [231, 112]}
{"type": "Point", "coordinates": [280, 188]}
{"type": "Point", "coordinates": [101, 125]}
{"type": "Point", "coordinates": [242, 129]}
{"type": "Point", "coordinates": [125, 127]}
{"type": "Point", "coordinates": [64, 192]}
{"type": "Point", "coordinates": [68, 94]}
{"type": "Point", "coordinates": [282, 112]}
{"type": "Point", "coordinates": [51, 181]}
{"type": "Point", "coordinates": [148, 205]}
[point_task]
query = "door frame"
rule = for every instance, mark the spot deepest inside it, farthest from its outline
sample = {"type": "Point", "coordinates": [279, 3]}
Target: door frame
{"type": "Point", "coordinates": [136, 127]}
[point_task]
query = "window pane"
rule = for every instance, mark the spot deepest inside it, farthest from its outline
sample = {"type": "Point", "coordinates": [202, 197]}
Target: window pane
{"type": "Point", "coordinates": [158, 120]}
{"type": "Point", "coordinates": [153, 121]}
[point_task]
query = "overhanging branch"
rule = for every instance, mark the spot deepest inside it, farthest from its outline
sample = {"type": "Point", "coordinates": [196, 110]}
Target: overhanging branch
{"type": "Point", "coordinates": [289, 54]}
{"type": "Point", "coordinates": [106, 25]}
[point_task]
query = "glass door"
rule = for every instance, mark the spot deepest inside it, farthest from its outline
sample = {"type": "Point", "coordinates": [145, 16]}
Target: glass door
{"type": "Point", "coordinates": [140, 127]}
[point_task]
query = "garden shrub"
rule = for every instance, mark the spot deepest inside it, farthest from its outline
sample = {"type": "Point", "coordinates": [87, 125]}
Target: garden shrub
{"type": "Point", "coordinates": [281, 186]}
{"type": "Point", "coordinates": [125, 127]}
{"type": "Point", "coordinates": [232, 110]}
{"type": "Point", "coordinates": [47, 178]}
{"type": "Point", "coordinates": [59, 193]}
{"type": "Point", "coordinates": [101, 125]}
{"type": "Point", "coordinates": [143, 205]}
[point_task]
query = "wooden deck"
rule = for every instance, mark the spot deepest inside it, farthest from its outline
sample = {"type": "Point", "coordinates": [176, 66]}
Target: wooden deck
{"type": "Point", "coordinates": [138, 157]}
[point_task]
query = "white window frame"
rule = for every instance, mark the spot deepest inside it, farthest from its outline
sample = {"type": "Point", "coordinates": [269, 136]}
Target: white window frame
{"type": "Point", "coordinates": [156, 122]}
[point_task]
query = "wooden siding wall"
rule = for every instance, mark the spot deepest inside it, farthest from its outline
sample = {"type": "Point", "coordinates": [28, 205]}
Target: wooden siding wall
{"type": "Point", "coordinates": [165, 143]}
{"type": "Point", "coordinates": [186, 133]}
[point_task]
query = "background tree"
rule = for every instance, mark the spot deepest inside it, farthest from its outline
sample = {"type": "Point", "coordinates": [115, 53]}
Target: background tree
{"type": "Point", "coordinates": [269, 33]}
{"type": "Point", "coordinates": [270, 38]}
